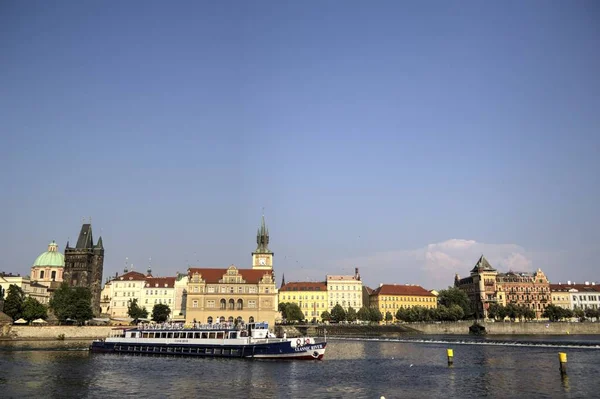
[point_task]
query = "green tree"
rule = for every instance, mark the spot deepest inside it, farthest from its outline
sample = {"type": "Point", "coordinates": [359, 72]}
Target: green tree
{"type": "Point", "coordinates": [32, 310]}
{"type": "Point", "coordinates": [375, 315]}
{"type": "Point", "coordinates": [325, 316]}
{"type": "Point", "coordinates": [293, 312]}
{"type": "Point", "coordinates": [456, 296]}
{"type": "Point", "coordinates": [160, 312]}
{"type": "Point", "coordinates": [591, 313]}
{"type": "Point", "coordinates": [13, 304]}
{"type": "Point", "coordinates": [351, 314]}
{"type": "Point", "coordinates": [456, 312]}
{"type": "Point", "coordinates": [135, 312]}
{"type": "Point", "coordinates": [388, 316]}
{"type": "Point", "coordinates": [338, 313]}
{"type": "Point", "coordinates": [363, 314]}
{"type": "Point", "coordinates": [403, 314]}
{"type": "Point", "coordinates": [72, 303]}
{"type": "Point", "coordinates": [579, 313]}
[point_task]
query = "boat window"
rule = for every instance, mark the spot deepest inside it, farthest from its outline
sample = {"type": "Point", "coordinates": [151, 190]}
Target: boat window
{"type": "Point", "coordinates": [163, 335]}
{"type": "Point", "coordinates": [190, 335]}
{"type": "Point", "coordinates": [204, 335]}
{"type": "Point", "coordinates": [145, 335]}
{"type": "Point", "coordinates": [170, 335]}
{"type": "Point", "coordinates": [212, 335]}
{"type": "Point", "coordinates": [233, 335]}
{"type": "Point", "coordinates": [220, 335]}
{"type": "Point", "coordinates": [197, 335]}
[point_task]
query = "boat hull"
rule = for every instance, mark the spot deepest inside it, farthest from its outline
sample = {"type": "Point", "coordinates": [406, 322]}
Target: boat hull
{"type": "Point", "coordinates": [274, 350]}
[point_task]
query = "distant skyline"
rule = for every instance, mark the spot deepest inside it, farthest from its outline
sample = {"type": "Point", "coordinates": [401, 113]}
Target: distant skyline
{"type": "Point", "coordinates": [402, 138]}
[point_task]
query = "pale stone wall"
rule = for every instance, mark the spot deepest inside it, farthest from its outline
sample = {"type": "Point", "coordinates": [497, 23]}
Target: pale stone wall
{"type": "Point", "coordinates": [501, 328]}
{"type": "Point", "coordinates": [52, 332]}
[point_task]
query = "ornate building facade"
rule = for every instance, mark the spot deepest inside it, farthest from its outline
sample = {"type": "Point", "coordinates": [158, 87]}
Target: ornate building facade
{"type": "Point", "coordinates": [84, 265]}
{"type": "Point", "coordinates": [229, 294]}
{"type": "Point", "coordinates": [486, 286]}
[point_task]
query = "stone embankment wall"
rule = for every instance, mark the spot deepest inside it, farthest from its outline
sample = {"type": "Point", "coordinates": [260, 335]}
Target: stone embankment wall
{"type": "Point", "coordinates": [517, 328]}
{"type": "Point", "coordinates": [458, 328]}
{"type": "Point", "coordinates": [53, 332]}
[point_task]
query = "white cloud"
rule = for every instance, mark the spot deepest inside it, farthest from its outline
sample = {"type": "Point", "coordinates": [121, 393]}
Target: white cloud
{"type": "Point", "coordinates": [434, 265]}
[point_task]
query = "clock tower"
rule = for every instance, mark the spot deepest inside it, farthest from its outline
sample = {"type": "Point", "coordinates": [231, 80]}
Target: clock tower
{"type": "Point", "coordinates": [262, 257]}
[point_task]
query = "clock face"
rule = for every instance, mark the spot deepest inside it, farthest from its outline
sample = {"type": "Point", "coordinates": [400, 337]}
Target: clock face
{"type": "Point", "coordinates": [262, 261]}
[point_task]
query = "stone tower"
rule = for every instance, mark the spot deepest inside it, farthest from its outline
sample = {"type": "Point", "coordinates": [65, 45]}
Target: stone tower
{"type": "Point", "coordinates": [262, 257]}
{"type": "Point", "coordinates": [84, 264]}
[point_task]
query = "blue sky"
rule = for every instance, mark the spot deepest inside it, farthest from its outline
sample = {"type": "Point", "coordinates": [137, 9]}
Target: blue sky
{"type": "Point", "coordinates": [403, 138]}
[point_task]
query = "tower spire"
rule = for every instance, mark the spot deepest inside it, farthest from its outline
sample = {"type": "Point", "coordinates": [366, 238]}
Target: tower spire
{"type": "Point", "coordinates": [282, 280]}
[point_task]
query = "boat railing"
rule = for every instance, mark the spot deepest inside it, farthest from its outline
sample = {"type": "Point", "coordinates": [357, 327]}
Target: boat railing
{"type": "Point", "coordinates": [192, 326]}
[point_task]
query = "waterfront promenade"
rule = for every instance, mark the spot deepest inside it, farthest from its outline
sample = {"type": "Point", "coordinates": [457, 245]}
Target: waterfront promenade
{"type": "Point", "coordinates": [12, 332]}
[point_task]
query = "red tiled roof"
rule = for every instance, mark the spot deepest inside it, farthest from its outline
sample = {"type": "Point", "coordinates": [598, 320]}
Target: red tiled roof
{"type": "Point", "coordinates": [213, 276]}
{"type": "Point", "coordinates": [304, 286]}
{"type": "Point", "coordinates": [578, 287]}
{"type": "Point", "coordinates": [163, 282]}
{"type": "Point", "coordinates": [393, 289]}
{"type": "Point", "coordinates": [131, 276]}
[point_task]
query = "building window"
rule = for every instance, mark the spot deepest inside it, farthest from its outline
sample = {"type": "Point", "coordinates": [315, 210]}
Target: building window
{"type": "Point", "coordinates": [195, 289]}
{"type": "Point", "coordinates": [211, 290]}
{"type": "Point", "coordinates": [41, 274]}
{"type": "Point", "coordinates": [231, 304]}
{"type": "Point", "coordinates": [240, 290]}
{"type": "Point", "coordinates": [252, 290]}
{"type": "Point", "coordinates": [210, 304]}
{"type": "Point", "coordinates": [240, 304]}
{"type": "Point", "coordinates": [223, 303]}
{"type": "Point", "coordinates": [252, 304]}
{"type": "Point", "coordinates": [194, 304]}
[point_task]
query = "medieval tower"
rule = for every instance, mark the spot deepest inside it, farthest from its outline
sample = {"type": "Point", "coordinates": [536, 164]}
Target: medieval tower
{"type": "Point", "coordinates": [84, 264]}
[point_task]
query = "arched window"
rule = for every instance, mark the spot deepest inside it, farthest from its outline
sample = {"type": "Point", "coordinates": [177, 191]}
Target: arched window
{"type": "Point", "coordinates": [239, 319]}
{"type": "Point", "coordinates": [240, 304]}
{"type": "Point", "coordinates": [223, 304]}
{"type": "Point", "coordinates": [222, 319]}
{"type": "Point", "coordinates": [209, 320]}
{"type": "Point", "coordinates": [231, 304]}
{"type": "Point", "coordinates": [251, 319]}
{"type": "Point", "coordinates": [230, 319]}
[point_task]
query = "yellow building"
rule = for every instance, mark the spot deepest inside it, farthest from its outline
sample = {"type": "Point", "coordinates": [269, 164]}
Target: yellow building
{"type": "Point", "coordinates": [249, 295]}
{"type": "Point", "coordinates": [310, 297]}
{"type": "Point", "coordinates": [345, 291]}
{"type": "Point", "coordinates": [391, 297]}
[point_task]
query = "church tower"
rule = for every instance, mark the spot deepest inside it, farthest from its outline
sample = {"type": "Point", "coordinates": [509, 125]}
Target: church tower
{"type": "Point", "coordinates": [262, 257]}
{"type": "Point", "coordinates": [84, 264]}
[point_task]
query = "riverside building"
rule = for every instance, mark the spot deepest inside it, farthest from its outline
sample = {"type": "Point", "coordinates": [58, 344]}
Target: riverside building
{"type": "Point", "coordinates": [310, 297]}
{"type": "Point", "coordinates": [486, 286]}
{"type": "Point", "coordinates": [232, 293]}
{"type": "Point", "coordinates": [576, 296]}
{"type": "Point", "coordinates": [344, 290]}
{"type": "Point", "coordinates": [391, 297]}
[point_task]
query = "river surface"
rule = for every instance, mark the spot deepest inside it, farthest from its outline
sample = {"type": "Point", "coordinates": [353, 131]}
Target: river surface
{"type": "Point", "coordinates": [499, 367]}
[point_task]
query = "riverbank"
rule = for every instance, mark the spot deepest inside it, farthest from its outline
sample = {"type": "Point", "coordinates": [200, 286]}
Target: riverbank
{"type": "Point", "coordinates": [44, 333]}
{"type": "Point", "coordinates": [457, 328]}
{"type": "Point", "coordinates": [35, 333]}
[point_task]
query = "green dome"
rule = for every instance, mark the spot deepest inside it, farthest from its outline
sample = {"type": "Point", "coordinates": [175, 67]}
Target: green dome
{"type": "Point", "coordinates": [51, 258]}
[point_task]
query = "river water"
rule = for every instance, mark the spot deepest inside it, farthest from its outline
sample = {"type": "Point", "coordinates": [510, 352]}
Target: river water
{"type": "Point", "coordinates": [499, 367]}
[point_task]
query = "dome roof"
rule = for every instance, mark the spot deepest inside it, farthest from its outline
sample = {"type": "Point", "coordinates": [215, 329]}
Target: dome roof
{"type": "Point", "coordinates": [51, 258]}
